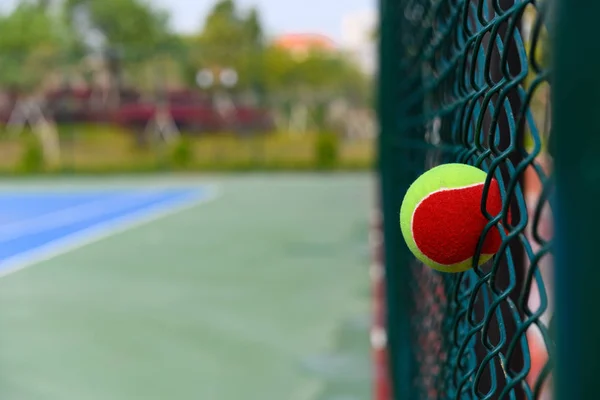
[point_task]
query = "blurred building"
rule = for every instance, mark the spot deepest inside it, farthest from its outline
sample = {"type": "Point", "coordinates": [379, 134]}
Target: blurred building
{"type": "Point", "coordinates": [300, 44]}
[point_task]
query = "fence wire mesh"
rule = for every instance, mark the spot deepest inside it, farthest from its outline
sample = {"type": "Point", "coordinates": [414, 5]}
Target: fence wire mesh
{"type": "Point", "coordinates": [468, 81]}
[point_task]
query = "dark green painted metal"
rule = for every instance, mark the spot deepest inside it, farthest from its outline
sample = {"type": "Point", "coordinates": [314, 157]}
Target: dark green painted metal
{"type": "Point", "coordinates": [457, 84]}
{"type": "Point", "coordinates": [577, 150]}
{"type": "Point", "coordinates": [391, 183]}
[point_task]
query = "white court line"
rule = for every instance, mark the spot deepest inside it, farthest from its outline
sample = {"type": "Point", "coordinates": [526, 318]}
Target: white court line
{"type": "Point", "coordinates": [65, 216]}
{"type": "Point", "coordinates": [103, 230]}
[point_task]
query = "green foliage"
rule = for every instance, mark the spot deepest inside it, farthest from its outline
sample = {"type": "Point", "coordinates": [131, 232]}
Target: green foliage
{"type": "Point", "coordinates": [106, 149]}
{"type": "Point", "coordinates": [32, 159]}
{"type": "Point", "coordinates": [230, 38]}
{"type": "Point", "coordinates": [121, 23]}
{"type": "Point", "coordinates": [36, 41]}
{"type": "Point", "coordinates": [325, 74]}
{"type": "Point", "coordinates": [181, 154]}
{"type": "Point", "coordinates": [227, 28]}
{"type": "Point", "coordinates": [327, 150]}
{"type": "Point", "coordinates": [31, 41]}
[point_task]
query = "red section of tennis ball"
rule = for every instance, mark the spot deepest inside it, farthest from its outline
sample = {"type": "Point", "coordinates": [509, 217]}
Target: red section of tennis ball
{"type": "Point", "coordinates": [447, 224]}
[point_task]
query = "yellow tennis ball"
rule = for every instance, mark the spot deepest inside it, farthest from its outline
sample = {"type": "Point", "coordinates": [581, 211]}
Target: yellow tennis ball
{"type": "Point", "coordinates": [441, 218]}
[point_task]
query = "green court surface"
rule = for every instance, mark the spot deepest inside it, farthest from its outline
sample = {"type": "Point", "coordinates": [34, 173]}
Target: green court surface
{"type": "Point", "coordinates": [261, 293]}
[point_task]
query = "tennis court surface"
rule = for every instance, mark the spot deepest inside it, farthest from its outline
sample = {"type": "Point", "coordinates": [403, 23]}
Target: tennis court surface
{"type": "Point", "coordinates": [250, 287]}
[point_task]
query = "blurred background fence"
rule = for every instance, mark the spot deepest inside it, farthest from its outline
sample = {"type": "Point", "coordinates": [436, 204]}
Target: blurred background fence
{"type": "Point", "coordinates": [107, 86]}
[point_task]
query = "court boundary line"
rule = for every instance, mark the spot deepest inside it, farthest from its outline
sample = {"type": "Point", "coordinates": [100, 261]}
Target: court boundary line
{"type": "Point", "coordinates": [106, 229]}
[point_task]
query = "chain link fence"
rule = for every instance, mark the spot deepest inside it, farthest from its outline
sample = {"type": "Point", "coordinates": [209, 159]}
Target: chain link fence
{"type": "Point", "coordinates": [468, 81]}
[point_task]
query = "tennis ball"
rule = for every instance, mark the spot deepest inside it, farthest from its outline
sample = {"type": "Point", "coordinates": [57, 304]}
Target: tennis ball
{"type": "Point", "coordinates": [441, 218]}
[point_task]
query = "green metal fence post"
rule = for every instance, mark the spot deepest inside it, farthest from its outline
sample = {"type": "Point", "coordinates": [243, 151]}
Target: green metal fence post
{"type": "Point", "coordinates": [396, 257]}
{"type": "Point", "coordinates": [577, 166]}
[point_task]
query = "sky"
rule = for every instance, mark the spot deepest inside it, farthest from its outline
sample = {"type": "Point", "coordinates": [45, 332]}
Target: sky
{"type": "Point", "coordinates": [279, 16]}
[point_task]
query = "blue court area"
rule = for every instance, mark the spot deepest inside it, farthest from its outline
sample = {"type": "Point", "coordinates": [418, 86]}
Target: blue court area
{"type": "Point", "coordinates": [41, 222]}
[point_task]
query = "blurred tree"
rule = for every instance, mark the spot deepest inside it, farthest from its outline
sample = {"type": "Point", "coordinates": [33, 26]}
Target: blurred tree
{"type": "Point", "coordinates": [32, 44]}
{"type": "Point", "coordinates": [230, 38]}
{"type": "Point", "coordinates": [323, 74]}
{"type": "Point", "coordinates": [133, 26]}
{"type": "Point", "coordinates": [229, 29]}
{"type": "Point", "coordinates": [131, 34]}
{"type": "Point", "coordinates": [253, 30]}
{"type": "Point", "coordinates": [307, 85]}
{"type": "Point", "coordinates": [235, 38]}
